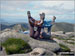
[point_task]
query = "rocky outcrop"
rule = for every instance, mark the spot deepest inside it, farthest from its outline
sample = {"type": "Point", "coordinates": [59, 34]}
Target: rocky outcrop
{"type": "Point", "coordinates": [36, 52]}
{"type": "Point", "coordinates": [62, 34]}
{"type": "Point", "coordinates": [72, 34]}
{"type": "Point", "coordinates": [67, 39]}
{"type": "Point", "coordinates": [48, 45]}
{"type": "Point", "coordinates": [41, 52]}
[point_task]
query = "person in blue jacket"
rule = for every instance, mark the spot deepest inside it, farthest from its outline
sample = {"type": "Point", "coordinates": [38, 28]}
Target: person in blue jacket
{"type": "Point", "coordinates": [48, 25]}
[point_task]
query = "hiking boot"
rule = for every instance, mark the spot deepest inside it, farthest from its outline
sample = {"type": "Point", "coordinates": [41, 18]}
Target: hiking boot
{"type": "Point", "coordinates": [43, 14]}
{"type": "Point", "coordinates": [28, 13]}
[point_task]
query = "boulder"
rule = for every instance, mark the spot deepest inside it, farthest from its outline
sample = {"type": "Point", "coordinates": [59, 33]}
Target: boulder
{"type": "Point", "coordinates": [46, 44]}
{"type": "Point", "coordinates": [37, 52]}
{"type": "Point", "coordinates": [62, 35]}
{"type": "Point", "coordinates": [70, 34]}
{"type": "Point", "coordinates": [12, 34]}
{"type": "Point", "coordinates": [41, 52]}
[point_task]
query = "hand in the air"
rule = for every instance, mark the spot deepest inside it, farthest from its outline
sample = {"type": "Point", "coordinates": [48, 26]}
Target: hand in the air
{"type": "Point", "coordinates": [54, 18]}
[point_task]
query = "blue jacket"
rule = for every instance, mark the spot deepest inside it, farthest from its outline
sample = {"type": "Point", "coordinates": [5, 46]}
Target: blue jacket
{"type": "Point", "coordinates": [47, 24]}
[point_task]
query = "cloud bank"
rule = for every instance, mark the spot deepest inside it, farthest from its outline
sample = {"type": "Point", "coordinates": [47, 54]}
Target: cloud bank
{"type": "Point", "coordinates": [17, 10]}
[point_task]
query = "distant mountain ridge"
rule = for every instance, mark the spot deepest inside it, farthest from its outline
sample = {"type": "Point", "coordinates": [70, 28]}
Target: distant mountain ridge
{"type": "Point", "coordinates": [13, 26]}
{"type": "Point", "coordinates": [61, 26]}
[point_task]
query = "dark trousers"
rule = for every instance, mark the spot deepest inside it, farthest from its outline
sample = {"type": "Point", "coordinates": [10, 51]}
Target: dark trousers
{"type": "Point", "coordinates": [34, 34]}
{"type": "Point", "coordinates": [48, 29]}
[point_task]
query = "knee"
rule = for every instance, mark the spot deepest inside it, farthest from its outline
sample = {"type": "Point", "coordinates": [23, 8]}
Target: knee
{"type": "Point", "coordinates": [36, 36]}
{"type": "Point", "coordinates": [33, 36]}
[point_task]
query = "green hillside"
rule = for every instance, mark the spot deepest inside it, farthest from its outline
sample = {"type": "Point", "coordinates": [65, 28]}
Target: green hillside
{"type": "Point", "coordinates": [66, 27]}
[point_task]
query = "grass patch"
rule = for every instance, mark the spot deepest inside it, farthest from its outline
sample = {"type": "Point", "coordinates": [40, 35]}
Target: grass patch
{"type": "Point", "coordinates": [15, 46]}
{"type": "Point", "coordinates": [64, 48]}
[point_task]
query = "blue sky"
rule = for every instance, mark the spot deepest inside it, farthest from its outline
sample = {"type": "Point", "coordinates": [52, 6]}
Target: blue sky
{"type": "Point", "coordinates": [16, 11]}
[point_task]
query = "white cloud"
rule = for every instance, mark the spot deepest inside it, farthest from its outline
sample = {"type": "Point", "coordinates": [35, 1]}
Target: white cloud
{"type": "Point", "coordinates": [55, 7]}
{"type": "Point", "coordinates": [7, 15]}
{"type": "Point", "coordinates": [63, 4]}
{"type": "Point", "coordinates": [51, 8]}
{"type": "Point", "coordinates": [51, 12]}
{"type": "Point", "coordinates": [13, 5]}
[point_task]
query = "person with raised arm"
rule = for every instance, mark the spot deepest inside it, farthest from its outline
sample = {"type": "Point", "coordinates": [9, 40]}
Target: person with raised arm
{"type": "Point", "coordinates": [34, 23]}
{"type": "Point", "coordinates": [48, 25]}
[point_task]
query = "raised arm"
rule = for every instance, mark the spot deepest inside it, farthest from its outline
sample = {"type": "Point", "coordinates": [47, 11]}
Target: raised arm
{"type": "Point", "coordinates": [42, 17]}
{"type": "Point", "coordinates": [53, 20]}
{"type": "Point", "coordinates": [28, 14]}
{"type": "Point", "coordinates": [31, 20]}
